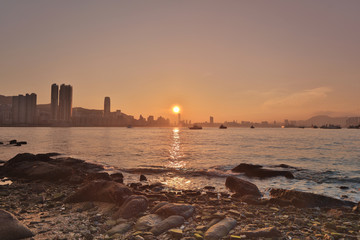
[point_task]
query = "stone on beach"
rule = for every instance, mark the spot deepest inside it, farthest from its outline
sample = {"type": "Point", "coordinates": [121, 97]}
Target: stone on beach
{"type": "Point", "coordinates": [251, 170]}
{"type": "Point", "coordinates": [242, 187]}
{"type": "Point", "coordinates": [101, 191]}
{"type": "Point", "coordinates": [133, 206]}
{"type": "Point", "coordinates": [147, 222]}
{"type": "Point", "coordinates": [11, 228]}
{"type": "Point", "coordinates": [168, 223]}
{"type": "Point", "coordinates": [308, 200]}
{"type": "Point", "coordinates": [220, 229]}
{"type": "Point", "coordinates": [120, 229]}
{"type": "Point", "coordinates": [270, 232]}
{"type": "Point", "coordinates": [169, 209]}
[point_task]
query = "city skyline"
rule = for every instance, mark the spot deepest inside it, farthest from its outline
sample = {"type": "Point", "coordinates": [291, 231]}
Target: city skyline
{"type": "Point", "coordinates": [238, 60]}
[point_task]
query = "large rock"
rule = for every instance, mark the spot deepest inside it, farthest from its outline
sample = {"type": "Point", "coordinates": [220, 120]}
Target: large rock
{"type": "Point", "coordinates": [120, 229]}
{"type": "Point", "coordinates": [257, 171]}
{"type": "Point", "coordinates": [11, 228]}
{"type": "Point", "coordinates": [133, 206]}
{"type": "Point", "coordinates": [308, 200]}
{"type": "Point", "coordinates": [147, 222]}
{"type": "Point", "coordinates": [270, 232]}
{"type": "Point", "coordinates": [220, 229]}
{"type": "Point", "coordinates": [169, 209]}
{"type": "Point", "coordinates": [101, 191]}
{"type": "Point", "coordinates": [168, 223]}
{"type": "Point", "coordinates": [242, 187]}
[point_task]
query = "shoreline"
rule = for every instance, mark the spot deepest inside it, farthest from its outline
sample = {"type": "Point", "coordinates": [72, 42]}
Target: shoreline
{"type": "Point", "coordinates": [40, 204]}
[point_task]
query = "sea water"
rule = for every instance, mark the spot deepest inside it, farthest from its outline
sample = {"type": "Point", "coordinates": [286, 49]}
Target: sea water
{"type": "Point", "coordinates": [322, 160]}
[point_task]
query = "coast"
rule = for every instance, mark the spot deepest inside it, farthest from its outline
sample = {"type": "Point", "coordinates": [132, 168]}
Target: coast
{"type": "Point", "coordinates": [66, 198]}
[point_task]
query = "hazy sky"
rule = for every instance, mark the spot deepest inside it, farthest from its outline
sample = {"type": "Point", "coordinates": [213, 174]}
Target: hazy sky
{"type": "Point", "coordinates": [234, 60]}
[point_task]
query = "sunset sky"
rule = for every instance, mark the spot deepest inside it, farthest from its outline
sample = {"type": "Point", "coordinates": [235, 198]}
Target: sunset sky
{"type": "Point", "coordinates": [234, 60]}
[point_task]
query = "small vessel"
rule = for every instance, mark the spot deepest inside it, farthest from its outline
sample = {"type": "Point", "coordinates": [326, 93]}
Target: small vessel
{"type": "Point", "coordinates": [195, 127]}
{"type": "Point", "coordinates": [223, 126]}
{"type": "Point", "coordinates": [252, 126]}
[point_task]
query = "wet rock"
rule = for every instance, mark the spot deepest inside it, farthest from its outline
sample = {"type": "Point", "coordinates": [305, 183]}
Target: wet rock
{"type": "Point", "coordinates": [168, 223]}
{"type": "Point", "coordinates": [308, 200]}
{"type": "Point", "coordinates": [241, 186]}
{"type": "Point", "coordinates": [98, 176]}
{"type": "Point", "coordinates": [357, 208]}
{"type": "Point", "coordinates": [220, 229]}
{"type": "Point", "coordinates": [142, 178]}
{"type": "Point", "coordinates": [147, 222]}
{"type": "Point", "coordinates": [170, 209]}
{"type": "Point", "coordinates": [270, 232]}
{"type": "Point", "coordinates": [133, 206]}
{"type": "Point", "coordinates": [120, 229]}
{"type": "Point", "coordinates": [343, 187]}
{"type": "Point", "coordinates": [12, 141]}
{"type": "Point", "coordinates": [117, 177]}
{"type": "Point", "coordinates": [176, 233]}
{"type": "Point", "coordinates": [257, 171]}
{"type": "Point", "coordinates": [11, 228]}
{"type": "Point", "coordinates": [102, 191]}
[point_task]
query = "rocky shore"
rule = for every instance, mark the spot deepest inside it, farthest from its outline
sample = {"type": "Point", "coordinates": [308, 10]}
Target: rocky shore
{"type": "Point", "coordinates": [65, 198]}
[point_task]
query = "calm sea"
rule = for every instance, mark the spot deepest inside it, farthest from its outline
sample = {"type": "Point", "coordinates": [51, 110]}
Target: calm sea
{"type": "Point", "coordinates": [188, 159]}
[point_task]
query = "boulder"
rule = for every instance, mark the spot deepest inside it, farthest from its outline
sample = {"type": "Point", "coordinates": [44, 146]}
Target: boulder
{"type": "Point", "coordinates": [133, 206]}
{"type": "Point", "coordinates": [168, 223]}
{"type": "Point", "coordinates": [13, 141]}
{"type": "Point", "coordinates": [169, 209]}
{"type": "Point", "coordinates": [220, 229]}
{"type": "Point", "coordinates": [147, 222]}
{"type": "Point", "coordinates": [101, 191]}
{"type": "Point", "coordinates": [117, 177]}
{"type": "Point", "coordinates": [242, 187]}
{"type": "Point", "coordinates": [11, 228]}
{"type": "Point", "coordinates": [257, 171]}
{"type": "Point", "coordinates": [142, 178]}
{"type": "Point", "coordinates": [308, 200]}
{"type": "Point", "coordinates": [270, 232]}
{"type": "Point", "coordinates": [120, 229]}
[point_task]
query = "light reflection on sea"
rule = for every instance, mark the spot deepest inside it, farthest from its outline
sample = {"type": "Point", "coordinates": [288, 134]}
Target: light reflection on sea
{"type": "Point", "coordinates": [328, 159]}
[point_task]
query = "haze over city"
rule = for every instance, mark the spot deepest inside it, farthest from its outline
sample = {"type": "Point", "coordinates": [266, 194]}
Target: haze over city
{"type": "Point", "coordinates": [238, 60]}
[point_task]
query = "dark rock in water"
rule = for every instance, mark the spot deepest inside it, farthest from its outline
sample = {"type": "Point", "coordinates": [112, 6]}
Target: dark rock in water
{"type": "Point", "coordinates": [117, 177]}
{"type": "Point", "coordinates": [18, 144]}
{"type": "Point", "coordinates": [169, 209]}
{"type": "Point", "coordinates": [220, 229]}
{"type": "Point", "coordinates": [270, 232]}
{"type": "Point", "coordinates": [13, 141]}
{"type": "Point", "coordinates": [133, 206]}
{"type": "Point", "coordinates": [147, 222]}
{"type": "Point", "coordinates": [98, 176]}
{"type": "Point", "coordinates": [209, 188]}
{"type": "Point", "coordinates": [11, 228]}
{"type": "Point", "coordinates": [142, 178]}
{"type": "Point", "coordinates": [166, 224]}
{"type": "Point", "coordinates": [101, 191]}
{"type": "Point", "coordinates": [257, 171]}
{"type": "Point", "coordinates": [357, 208]}
{"type": "Point", "coordinates": [22, 143]}
{"type": "Point", "coordinates": [1, 143]}
{"type": "Point", "coordinates": [344, 187]}
{"type": "Point", "coordinates": [241, 186]}
{"type": "Point", "coordinates": [308, 200]}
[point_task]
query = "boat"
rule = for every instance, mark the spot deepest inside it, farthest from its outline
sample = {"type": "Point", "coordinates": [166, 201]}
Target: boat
{"type": "Point", "coordinates": [195, 127]}
{"type": "Point", "coordinates": [252, 126]}
{"type": "Point", "coordinates": [223, 126]}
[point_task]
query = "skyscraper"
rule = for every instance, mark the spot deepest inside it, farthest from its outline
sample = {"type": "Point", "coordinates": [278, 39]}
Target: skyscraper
{"type": "Point", "coordinates": [65, 102]}
{"type": "Point", "coordinates": [24, 109]}
{"type": "Point", "coordinates": [54, 101]}
{"type": "Point", "coordinates": [211, 120]}
{"type": "Point", "coordinates": [106, 106]}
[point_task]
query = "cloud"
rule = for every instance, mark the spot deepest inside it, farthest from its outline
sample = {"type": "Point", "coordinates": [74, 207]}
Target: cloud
{"type": "Point", "coordinates": [298, 99]}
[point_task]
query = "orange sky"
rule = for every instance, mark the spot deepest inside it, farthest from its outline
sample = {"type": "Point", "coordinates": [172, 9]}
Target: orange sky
{"type": "Point", "coordinates": [234, 60]}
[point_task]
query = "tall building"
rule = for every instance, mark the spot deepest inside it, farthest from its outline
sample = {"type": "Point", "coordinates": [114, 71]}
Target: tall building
{"type": "Point", "coordinates": [24, 109]}
{"type": "Point", "coordinates": [106, 106]}
{"type": "Point", "coordinates": [54, 101]}
{"type": "Point", "coordinates": [211, 120]}
{"type": "Point", "coordinates": [65, 102]}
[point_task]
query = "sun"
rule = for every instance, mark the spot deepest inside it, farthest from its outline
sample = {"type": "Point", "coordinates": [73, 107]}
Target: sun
{"type": "Point", "coordinates": [176, 109]}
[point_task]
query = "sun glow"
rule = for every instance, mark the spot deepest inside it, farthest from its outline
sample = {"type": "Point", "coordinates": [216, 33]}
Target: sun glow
{"type": "Point", "coordinates": [176, 109]}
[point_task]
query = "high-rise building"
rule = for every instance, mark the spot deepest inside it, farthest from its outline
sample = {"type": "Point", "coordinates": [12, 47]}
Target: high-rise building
{"type": "Point", "coordinates": [106, 106]}
{"type": "Point", "coordinates": [65, 102]}
{"type": "Point", "coordinates": [24, 109]}
{"type": "Point", "coordinates": [211, 120]}
{"type": "Point", "coordinates": [54, 101]}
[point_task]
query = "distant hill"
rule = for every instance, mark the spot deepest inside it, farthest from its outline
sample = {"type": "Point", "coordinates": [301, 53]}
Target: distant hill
{"type": "Point", "coordinates": [322, 120]}
{"type": "Point", "coordinates": [5, 99]}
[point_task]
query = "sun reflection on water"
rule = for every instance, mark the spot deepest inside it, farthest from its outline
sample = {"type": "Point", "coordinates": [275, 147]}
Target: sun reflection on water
{"type": "Point", "coordinates": [175, 152]}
